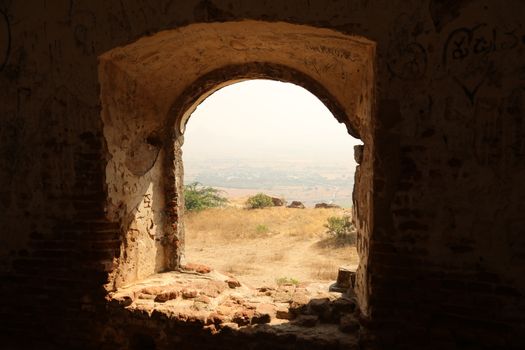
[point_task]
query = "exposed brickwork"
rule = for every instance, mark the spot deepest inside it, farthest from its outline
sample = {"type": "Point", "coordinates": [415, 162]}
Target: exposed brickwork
{"type": "Point", "coordinates": [221, 313]}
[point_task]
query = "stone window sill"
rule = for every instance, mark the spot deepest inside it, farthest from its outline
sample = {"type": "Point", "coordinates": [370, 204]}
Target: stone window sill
{"type": "Point", "coordinates": [207, 299]}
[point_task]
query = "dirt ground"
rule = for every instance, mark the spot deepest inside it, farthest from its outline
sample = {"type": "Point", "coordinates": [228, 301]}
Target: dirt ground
{"type": "Point", "coordinates": [265, 247]}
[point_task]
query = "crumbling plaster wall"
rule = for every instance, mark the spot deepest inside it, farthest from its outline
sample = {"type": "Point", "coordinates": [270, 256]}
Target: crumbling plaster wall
{"type": "Point", "coordinates": [134, 177]}
{"type": "Point", "coordinates": [447, 250]}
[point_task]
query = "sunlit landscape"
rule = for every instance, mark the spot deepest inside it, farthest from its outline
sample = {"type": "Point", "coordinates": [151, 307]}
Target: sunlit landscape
{"type": "Point", "coordinates": [277, 139]}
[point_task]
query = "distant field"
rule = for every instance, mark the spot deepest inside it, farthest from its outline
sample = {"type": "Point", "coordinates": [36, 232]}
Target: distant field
{"type": "Point", "coordinates": [263, 245]}
{"type": "Point", "coordinates": [305, 181]}
{"type": "Point", "coordinates": [308, 196]}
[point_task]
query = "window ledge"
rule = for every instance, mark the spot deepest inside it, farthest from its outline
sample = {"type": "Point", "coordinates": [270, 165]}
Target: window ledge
{"type": "Point", "coordinates": [218, 303]}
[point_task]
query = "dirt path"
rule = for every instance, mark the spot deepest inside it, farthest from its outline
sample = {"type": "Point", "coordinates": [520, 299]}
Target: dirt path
{"type": "Point", "coordinates": [263, 261]}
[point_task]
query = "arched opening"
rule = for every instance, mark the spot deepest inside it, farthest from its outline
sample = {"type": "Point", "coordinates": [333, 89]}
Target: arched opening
{"type": "Point", "coordinates": [150, 87]}
{"type": "Point", "coordinates": [277, 139]}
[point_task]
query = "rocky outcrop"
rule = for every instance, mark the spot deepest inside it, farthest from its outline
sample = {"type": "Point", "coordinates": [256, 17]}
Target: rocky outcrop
{"type": "Point", "coordinates": [296, 205]}
{"type": "Point", "coordinates": [277, 202]}
{"type": "Point", "coordinates": [326, 206]}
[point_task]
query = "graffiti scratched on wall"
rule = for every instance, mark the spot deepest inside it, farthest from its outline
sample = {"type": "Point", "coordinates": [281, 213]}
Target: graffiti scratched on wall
{"type": "Point", "coordinates": [468, 55]}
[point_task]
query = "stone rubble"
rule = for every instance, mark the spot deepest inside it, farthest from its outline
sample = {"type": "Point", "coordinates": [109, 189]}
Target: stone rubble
{"type": "Point", "coordinates": [221, 303]}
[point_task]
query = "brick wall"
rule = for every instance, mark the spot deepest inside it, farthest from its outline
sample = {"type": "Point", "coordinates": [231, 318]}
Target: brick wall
{"type": "Point", "coordinates": [446, 248]}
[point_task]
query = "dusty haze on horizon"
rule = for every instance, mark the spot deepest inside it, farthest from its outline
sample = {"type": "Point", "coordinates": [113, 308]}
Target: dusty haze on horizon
{"type": "Point", "coordinates": [264, 121]}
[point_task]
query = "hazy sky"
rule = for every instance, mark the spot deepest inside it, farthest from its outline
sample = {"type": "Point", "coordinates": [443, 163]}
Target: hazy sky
{"type": "Point", "coordinates": [266, 120]}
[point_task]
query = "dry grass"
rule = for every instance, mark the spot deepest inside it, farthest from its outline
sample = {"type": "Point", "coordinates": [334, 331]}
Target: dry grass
{"type": "Point", "coordinates": [262, 245]}
{"type": "Point", "coordinates": [234, 223]}
{"type": "Point", "coordinates": [324, 270]}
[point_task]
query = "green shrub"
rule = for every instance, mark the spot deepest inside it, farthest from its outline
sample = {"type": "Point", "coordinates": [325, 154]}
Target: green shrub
{"type": "Point", "coordinates": [262, 229]}
{"type": "Point", "coordinates": [198, 197]}
{"type": "Point", "coordinates": [341, 228]}
{"type": "Point", "coordinates": [260, 200]}
{"type": "Point", "coordinates": [286, 281]}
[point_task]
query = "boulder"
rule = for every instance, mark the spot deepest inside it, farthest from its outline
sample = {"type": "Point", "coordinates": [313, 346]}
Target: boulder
{"type": "Point", "coordinates": [188, 293]}
{"type": "Point", "coordinates": [326, 205]}
{"type": "Point", "coordinates": [199, 268]}
{"type": "Point", "coordinates": [233, 283]}
{"type": "Point", "coordinates": [319, 306]}
{"type": "Point", "coordinates": [277, 202]}
{"type": "Point", "coordinates": [283, 312]}
{"type": "Point", "coordinates": [296, 204]}
{"type": "Point", "coordinates": [167, 295]}
{"type": "Point", "coordinates": [298, 303]}
{"type": "Point", "coordinates": [124, 299]}
{"type": "Point", "coordinates": [264, 313]}
{"type": "Point", "coordinates": [243, 317]}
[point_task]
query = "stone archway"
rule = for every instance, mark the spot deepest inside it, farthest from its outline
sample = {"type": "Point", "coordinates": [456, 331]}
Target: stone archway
{"type": "Point", "coordinates": [150, 87]}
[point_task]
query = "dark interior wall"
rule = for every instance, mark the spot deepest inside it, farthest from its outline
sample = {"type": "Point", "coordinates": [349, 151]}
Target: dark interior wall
{"type": "Point", "coordinates": [447, 253]}
{"type": "Point", "coordinates": [447, 250]}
